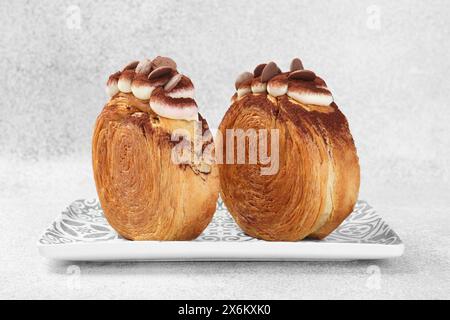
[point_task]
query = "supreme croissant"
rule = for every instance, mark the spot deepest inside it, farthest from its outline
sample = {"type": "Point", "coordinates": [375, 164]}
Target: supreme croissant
{"type": "Point", "coordinates": [316, 184]}
{"type": "Point", "coordinates": [153, 155]}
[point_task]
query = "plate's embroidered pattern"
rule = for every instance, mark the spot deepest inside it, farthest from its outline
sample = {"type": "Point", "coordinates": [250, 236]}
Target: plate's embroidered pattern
{"type": "Point", "coordinates": [83, 221]}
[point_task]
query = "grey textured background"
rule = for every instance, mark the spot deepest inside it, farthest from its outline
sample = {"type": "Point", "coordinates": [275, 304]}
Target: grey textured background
{"type": "Point", "coordinates": [392, 82]}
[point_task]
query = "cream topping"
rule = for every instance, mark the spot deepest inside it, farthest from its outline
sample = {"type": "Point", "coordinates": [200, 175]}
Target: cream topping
{"type": "Point", "coordinates": [309, 95]}
{"type": "Point", "coordinates": [244, 89]}
{"type": "Point", "coordinates": [141, 87]}
{"type": "Point", "coordinates": [125, 79]}
{"type": "Point", "coordinates": [169, 94]}
{"type": "Point", "coordinates": [173, 108]}
{"type": "Point", "coordinates": [184, 89]}
{"type": "Point", "coordinates": [258, 86]}
{"type": "Point", "coordinates": [299, 84]}
{"type": "Point", "coordinates": [112, 84]}
{"type": "Point", "coordinates": [278, 85]}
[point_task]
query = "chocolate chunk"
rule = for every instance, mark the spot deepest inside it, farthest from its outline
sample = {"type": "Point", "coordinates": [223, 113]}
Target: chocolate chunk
{"type": "Point", "coordinates": [259, 69]}
{"type": "Point", "coordinates": [173, 82]}
{"type": "Point", "coordinates": [305, 75]}
{"type": "Point", "coordinates": [131, 66]}
{"type": "Point", "coordinates": [144, 67]}
{"type": "Point", "coordinates": [270, 71]}
{"type": "Point", "coordinates": [296, 64]}
{"type": "Point", "coordinates": [243, 77]}
{"type": "Point", "coordinates": [164, 62]}
{"type": "Point", "coordinates": [159, 72]}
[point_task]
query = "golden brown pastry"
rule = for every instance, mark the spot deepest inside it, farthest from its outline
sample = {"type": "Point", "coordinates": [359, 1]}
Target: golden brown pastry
{"type": "Point", "coordinates": [311, 183]}
{"type": "Point", "coordinates": [153, 155]}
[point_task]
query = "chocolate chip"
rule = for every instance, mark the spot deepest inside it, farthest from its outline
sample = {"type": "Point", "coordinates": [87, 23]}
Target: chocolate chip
{"type": "Point", "coordinates": [159, 72]}
{"type": "Point", "coordinates": [173, 82]}
{"type": "Point", "coordinates": [304, 75]}
{"type": "Point", "coordinates": [144, 67]}
{"type": "Point", "coordinates": [164, 62]}
{"type": "Point", "coordinates": [243, 77]}
{"type": "Point", "coordinates": [296, 64]}
{"type": "Point", "coordinates": [259, 69]}
{"type": "Point", "coordinates": [131, 65]}
{"type": "Point", "coordinates": [270, 71]}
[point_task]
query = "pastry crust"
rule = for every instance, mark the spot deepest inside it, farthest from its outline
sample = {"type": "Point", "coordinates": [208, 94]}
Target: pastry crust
{"type": "Point", "coordinates": [143, 193]}
{"type": "Point", "coordinates": [317, 184]}
{"type": "Point", "coordinates": [153, 155]}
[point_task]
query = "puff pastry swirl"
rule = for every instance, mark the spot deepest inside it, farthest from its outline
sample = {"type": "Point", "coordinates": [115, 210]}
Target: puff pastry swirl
{"type": "Point", "coordinates": [317, 183]}
{"type": "Point", "coordinates": [144, 193]}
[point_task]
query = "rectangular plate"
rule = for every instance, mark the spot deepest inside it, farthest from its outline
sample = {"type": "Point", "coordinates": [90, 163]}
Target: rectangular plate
{"type": "Point", "coordinates": [81, 232]}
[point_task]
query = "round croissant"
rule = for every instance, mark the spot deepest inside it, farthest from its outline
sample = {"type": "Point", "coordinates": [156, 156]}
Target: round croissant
{"type": "Point", "coordinates": [149, 186]}
{"type": "Point", "coordinates": [314, 186]}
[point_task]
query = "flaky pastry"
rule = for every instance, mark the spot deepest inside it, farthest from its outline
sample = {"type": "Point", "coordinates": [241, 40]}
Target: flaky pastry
{"type": "Point", "coordinates": [153, 178]}
{"type": "Point", "coordinates": [317, 182]}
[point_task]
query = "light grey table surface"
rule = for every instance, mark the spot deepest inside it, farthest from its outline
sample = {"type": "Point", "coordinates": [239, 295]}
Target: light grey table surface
{"type": "Point", "coordinates": [38, 191]}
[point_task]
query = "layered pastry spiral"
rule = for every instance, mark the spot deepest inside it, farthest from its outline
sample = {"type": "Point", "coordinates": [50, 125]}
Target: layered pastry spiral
{"type": "Point", "coordinates": [153, 155]}
{"type": "Point", "coordinates": [316, 184]}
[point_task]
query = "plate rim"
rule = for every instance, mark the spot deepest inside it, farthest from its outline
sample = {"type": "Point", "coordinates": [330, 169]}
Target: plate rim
{"type": "Point", "coordinates": [141, 250]}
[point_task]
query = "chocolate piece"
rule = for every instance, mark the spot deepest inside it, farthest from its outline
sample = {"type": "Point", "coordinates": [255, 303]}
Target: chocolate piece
{"type": "Point", "coordinates": [305, 75]}
{"type": "Point", "coordinates": [173, 82]}
{"type": "Point", "coordinates": [270, 71]}
{"type": "Point", "coordinates": [159, 72]}
{"type": "Point", "coordinates": [114, 76]}
{"type": "Point", "coordinates": [144, 67]}
{"type": "Point", "coordinates": [131, 65]}
{"type": "Point", "coordinates": [243, 77]}
{"type": "Point", "coordinates": [164, 62]}
{"type": "Point", "coordinates": [259, 69]}
{"type": "Point", "coordinates": [296, 64]}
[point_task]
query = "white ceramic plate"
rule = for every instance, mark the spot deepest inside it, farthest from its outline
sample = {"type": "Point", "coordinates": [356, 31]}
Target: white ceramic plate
{"type": "Point", "coordinates": [81, 232]}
